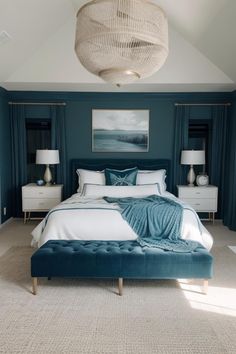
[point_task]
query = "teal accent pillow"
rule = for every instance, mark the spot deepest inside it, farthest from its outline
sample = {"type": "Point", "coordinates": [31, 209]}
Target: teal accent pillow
{"type": "Point", "coordinates": [121, 177]}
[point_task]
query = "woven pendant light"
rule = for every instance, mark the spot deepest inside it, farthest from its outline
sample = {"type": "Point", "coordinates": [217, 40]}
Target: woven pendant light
{"type": "Point", "coordinates": [121, 40]}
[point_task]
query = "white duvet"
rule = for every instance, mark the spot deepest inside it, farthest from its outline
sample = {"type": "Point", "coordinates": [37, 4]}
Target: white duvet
{"type": "Point", "coordinates": [80, 218]}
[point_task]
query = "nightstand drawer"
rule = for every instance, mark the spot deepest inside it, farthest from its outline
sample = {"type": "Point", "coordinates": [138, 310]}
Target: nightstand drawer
{"type": "Point", "coordinates": [40, 199]}
{"type": "Point", "coordinates": [41, 192]}
{"type": "Point", "coordinates": [40, 204]}
{"type": "Point", "coordinates": [197, 192]}
{"type": "Point", "coordinates": [207, 205]}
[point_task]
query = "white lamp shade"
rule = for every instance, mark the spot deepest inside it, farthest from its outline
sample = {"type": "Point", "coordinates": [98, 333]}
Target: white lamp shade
{"type": "Point", "coordinates": [193, 157]}
{"type": "Point", "coordinates": [47, 157]}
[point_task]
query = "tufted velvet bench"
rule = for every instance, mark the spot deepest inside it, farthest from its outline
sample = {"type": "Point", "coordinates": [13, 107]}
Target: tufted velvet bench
{"type": "Point", "coordinates": [117, 259]}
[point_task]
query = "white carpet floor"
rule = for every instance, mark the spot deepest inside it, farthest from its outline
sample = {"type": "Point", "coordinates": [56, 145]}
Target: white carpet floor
{"type": "Point", "coordinates": [233, 248]}
{"type": "Point", "coordinates": [87, 316]}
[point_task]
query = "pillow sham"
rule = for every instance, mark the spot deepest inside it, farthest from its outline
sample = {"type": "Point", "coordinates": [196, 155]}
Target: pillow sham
{"type": "Point", "coordinates": [98, 191]}
{"type": "Point", "coordinates": [150, 177]}
{"type": "Point", "coordinates": [121, 177]}
{"type": "Point", "coordinates": [88, 176]}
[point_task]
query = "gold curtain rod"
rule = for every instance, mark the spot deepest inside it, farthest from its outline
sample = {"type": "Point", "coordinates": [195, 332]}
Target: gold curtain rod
{"type": "Point", "coordinates": [39, 103]}
{"type": "Point", "coordinates": [203, 104]}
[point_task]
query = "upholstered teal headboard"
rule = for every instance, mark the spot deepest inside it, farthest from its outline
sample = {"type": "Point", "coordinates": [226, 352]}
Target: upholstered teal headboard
{"type": "Point", "coordinates": [120, 164]}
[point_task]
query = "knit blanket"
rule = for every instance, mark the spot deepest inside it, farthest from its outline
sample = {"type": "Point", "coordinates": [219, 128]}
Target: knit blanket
{"type": "Point", "coordinates": [156, 220]}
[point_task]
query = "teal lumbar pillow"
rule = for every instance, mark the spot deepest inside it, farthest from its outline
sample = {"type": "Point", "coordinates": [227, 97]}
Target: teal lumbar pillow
{"type": "Point", "coordinates": [121, 177]}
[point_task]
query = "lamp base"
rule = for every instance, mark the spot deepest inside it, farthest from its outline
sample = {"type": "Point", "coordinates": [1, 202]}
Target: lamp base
{"type": "Point", "coordinates": [48, 176]}
{"type": "Point", "coordinates": [191, 176]}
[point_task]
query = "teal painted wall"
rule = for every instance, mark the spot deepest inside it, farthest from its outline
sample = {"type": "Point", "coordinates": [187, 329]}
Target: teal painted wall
{"type": "Point", "coordinates": [79, 127]}
{"type": "Point", "coordinates": [79, 117]}
{"type": "Point", "coordinates": [5, 158]}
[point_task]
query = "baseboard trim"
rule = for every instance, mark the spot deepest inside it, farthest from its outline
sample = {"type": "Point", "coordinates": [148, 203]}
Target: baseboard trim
{"type": "Point", "coordinates": [8, 221]}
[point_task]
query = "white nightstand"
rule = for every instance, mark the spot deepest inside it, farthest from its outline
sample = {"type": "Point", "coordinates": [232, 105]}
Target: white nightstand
{"type": "Point", "coordinates": [40, 198]}
{"type": "Point", "coordinates": [202, 199]}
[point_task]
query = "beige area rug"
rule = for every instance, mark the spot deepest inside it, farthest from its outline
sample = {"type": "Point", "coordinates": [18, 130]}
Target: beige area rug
{"type": "Point", "coordinates": [87, 316]}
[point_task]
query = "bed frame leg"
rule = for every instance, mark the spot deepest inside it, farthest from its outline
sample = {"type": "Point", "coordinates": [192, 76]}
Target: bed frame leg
{"type": "Point", "coordinates": [34, 285]}
{"type": "Point", "coordinates": [205, 286]}
{"type": "Point", "coordinates": [120, 286]}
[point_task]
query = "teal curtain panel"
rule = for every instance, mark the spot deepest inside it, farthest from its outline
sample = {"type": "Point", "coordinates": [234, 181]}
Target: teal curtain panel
{"type": "Point", "coordinates": [19, 155]}
{"type": "Point", "coordinates": [182, 115]}
{"type": "Point", "coordinates": [217, 163]}
{"type": "Point", "coordinates": [58, 138]}
{"type": "Point", "coordinates": [229, 215]}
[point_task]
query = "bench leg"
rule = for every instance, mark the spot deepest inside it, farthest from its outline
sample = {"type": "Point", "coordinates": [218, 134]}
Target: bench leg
{"type": "Point", "coordinates": [34, 285]}
{"type": "Point", "coordinates": [205, 286]}
{"type": "Point", "coordinates": [120, 286]}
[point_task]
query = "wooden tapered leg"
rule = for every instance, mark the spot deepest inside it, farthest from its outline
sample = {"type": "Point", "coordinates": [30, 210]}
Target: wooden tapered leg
{"type": "Point", "coordinates": [205, 286]}
{"type": "Point", "coordinates": [120, 286]}
{"type": "Point", "coordinates": [35, 285]}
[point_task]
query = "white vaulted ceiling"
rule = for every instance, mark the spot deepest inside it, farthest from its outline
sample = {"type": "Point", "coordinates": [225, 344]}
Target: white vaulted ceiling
{"type": "Point", "coordinates": [39, 55]}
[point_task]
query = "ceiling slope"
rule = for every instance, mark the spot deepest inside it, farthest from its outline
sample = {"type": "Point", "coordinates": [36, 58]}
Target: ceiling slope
{"type": "Point", "coordinates": [219, 41]}
{"type": "Point", "coordinates": [56, 65]}
{"type": "Point", "coordinates": [40, 55]}
{"type": "Point", "coordinates": [29, 23]}
{"type": "Point", "coordinates": [191, 18]}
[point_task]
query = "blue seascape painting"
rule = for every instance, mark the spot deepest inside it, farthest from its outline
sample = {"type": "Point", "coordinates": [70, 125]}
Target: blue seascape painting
{"type": "Point", "coordinates": [120, 130]}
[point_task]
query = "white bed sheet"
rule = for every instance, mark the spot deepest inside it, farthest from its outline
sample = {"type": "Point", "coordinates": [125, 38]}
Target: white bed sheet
{"type": "Point", "coordinates": [95, 219]}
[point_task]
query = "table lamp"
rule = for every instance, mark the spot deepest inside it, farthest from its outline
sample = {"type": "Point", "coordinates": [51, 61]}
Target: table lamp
{"type": "Point", "coordinates": [192, 157]}
{"type": "Point", "coordinates": [47, 157]}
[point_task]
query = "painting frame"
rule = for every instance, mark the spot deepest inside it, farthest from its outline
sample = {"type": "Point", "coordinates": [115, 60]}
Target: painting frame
{"type": "Point", "coordinates": [120, 130]}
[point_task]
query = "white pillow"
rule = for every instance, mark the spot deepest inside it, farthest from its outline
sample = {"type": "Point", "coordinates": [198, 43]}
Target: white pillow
{"type": "Point", "coordinates": [87, 176]}
{"type": "Point", "coordinates": [151, 177]}
{"type": "Point", "coordinates": [98, 191]}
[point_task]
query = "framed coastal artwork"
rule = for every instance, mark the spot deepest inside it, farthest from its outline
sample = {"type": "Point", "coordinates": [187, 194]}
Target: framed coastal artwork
{"type": "Point", "coordinates": [115, 130]}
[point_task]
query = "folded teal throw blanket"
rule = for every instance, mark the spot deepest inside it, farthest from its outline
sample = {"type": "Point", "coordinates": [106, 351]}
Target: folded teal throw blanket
{"type": "Point", "coordinates": [156, 220]}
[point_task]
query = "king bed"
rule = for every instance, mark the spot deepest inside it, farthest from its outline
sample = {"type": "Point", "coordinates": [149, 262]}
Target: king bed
{"type": "Point", "coordinates": [89, 217]}
{"type": "Point", "coordinates": [97, 212]}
